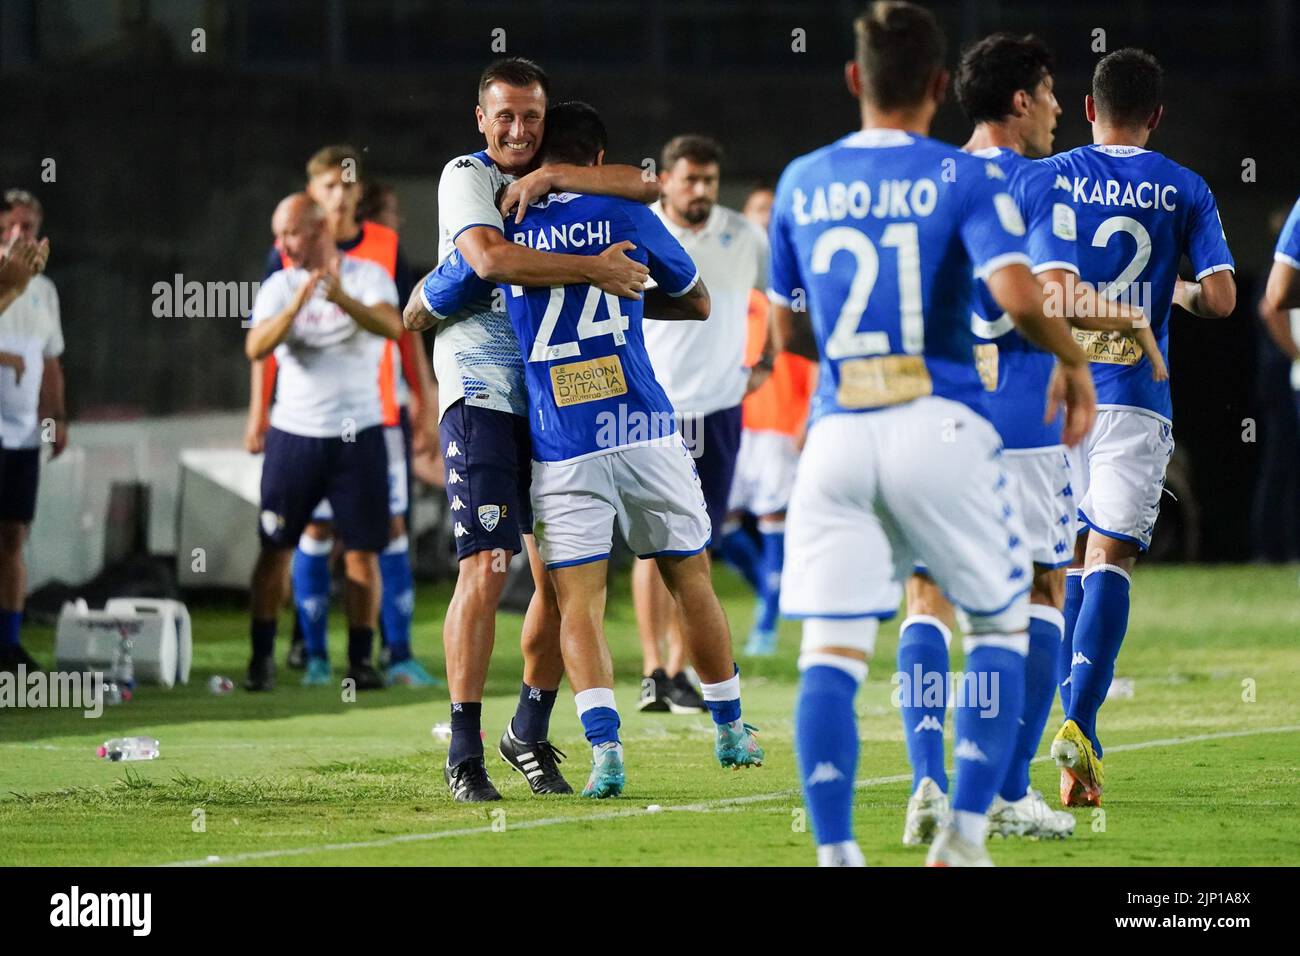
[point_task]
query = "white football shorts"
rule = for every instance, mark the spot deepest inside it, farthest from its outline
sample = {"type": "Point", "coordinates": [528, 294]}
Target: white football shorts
{"type": "Point", "coordinates": [1120, 473]}
{"type": "Point", "coordinates": [651, 491]}
{"type": "Point", "coordinates": [765, 471]}
{"type": "Point", "coordinates": [878, 492]}
{"type": "Point", "coordinates": [1044, 488]}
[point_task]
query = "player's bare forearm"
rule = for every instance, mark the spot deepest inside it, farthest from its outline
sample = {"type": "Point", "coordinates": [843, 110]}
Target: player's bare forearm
{"type": "Point", "coordinates": [415, 316]}
{"type": "Point", "coordinates": [50, 404]}
{"type": "Point", "coordinates": [629, 182]}
{"type": "Point", "coordinates": [380, 318]}
{"type": "Point", "coordinates": [792, 332]}
{"type": "Point", "coordinates": [1020, 295]}
{"type": "Point", "coordinates": [265, 337]}
{"type": "Point", "coordinates": [1283, 290]}
{"type": "Point", "coordinates": [1278, 325]}
{"type": "Point", "coordinates": [1214, 297]}
{"type": "Point", "coordinates": [692, 306]}
{"type": "Point", "coordinates": [495, 259]}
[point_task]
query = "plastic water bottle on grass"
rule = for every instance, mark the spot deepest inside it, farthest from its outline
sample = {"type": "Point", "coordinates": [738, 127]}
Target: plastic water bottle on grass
{"type": "Point", "coordinates": [129, 748]}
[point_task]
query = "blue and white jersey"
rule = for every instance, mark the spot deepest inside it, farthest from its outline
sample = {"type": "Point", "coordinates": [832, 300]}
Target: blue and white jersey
{"type": "Point", "coordinates": [591, 387]}
{"type": "Point", "coordinates": [1138, 213]}
{"type": "Point", "coordinates": [1288, 241]}
{"type": "Point", "coordinates": [1020, 372]}
{"type": "Point", "coordinates": [880, 236]}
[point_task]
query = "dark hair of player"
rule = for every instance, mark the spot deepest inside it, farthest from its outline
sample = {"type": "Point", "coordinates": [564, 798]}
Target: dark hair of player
{"type": "Point", "coordinates": [1127, 86]}
{"type": "Point", "coordinates": [575, 133]}
{"type": "Point", "coordinates": [899, 47]}
{"type": "Point", "coordinates": [993, 69]}
{"type": "Point", "coordinates": [513, 71]}
{"type": "Point", "coordinates": [333, 157]}
{"type": "Point", "coordinates": [692, 146]}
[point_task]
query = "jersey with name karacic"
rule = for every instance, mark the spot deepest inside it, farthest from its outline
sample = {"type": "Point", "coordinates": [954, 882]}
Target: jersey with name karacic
{"type": "Point", "coordinates": [1015, 371]}
{"type": "Point", "coordinates": [591, 386]}
{"type": "Point", "coordinates": [1138, 213]}
{"type": "Point", "coordinates": [880, 236]}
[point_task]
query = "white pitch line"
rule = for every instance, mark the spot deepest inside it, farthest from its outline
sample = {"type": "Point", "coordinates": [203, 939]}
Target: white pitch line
{"type": "Point", "coordinates": [703, 805]}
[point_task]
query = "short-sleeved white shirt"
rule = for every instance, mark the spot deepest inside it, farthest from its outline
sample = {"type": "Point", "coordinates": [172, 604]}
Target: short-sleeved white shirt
{"type": "Point", "coordinates": [30, 327]}
{"type": "Point", "coordinates": [701, 364]}
{"type": "Point", "coordinates": [328, 365]}
{"type": "Point", "coordinates": [475, 353]}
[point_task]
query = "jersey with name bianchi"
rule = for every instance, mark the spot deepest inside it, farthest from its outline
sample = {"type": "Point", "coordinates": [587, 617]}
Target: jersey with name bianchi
{"type": "Point", "coordinates": [591, 387]}
{"type": "Point", "coordinates": [1022, 372]}
{"type": "Point", "coordinates": [1138, 213]}
{"type": "Point", "coordinates": [879, 237]}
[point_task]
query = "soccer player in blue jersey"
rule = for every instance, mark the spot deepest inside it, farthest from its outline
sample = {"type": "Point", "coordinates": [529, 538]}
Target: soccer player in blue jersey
{"type": "Point", "coordinates": [876, 243]}
{"type": "Point", "coordinates": [1283, 290]}
{"type": "Point", "coordinates": [1137, 213]}
{"type": "Point", "coordinates": [606, 448]}
{"type": "Point", "coordinates": [1005, 86]}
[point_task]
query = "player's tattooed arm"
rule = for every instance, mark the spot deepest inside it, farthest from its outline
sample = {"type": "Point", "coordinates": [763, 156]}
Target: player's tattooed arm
{"type": "Point", "coordinates": [265, 337]}
{"type": "Point", "coordinates": [791, 331]}
{"type": "Point", "coordinates": [416, 315]}
{"type": "Point", "coordinates": [494, 258]}
{"type": "Point", "coordinates": [1214, 297]}
{"type": "Point", "coordinates": [628, 182]}
{"type": "Point", "coordinates": [693, 305]}
{"type": "Point", "coordinates": [1015, 289]}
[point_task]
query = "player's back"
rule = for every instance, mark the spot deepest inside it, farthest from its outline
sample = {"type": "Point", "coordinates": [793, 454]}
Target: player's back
{"type": "Point", "coordinates": [591, 386]}
{"type": "Point", "coordinates": [883, 231]}
{"type": "Point", "coordinates": [1137, 212]}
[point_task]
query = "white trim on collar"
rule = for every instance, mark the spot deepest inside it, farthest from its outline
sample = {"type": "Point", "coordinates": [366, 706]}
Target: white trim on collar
{"type": "Point", "coordinates": [872, 138]}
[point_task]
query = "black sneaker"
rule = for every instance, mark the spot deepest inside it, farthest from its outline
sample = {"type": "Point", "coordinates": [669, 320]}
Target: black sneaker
{"type": "Point", "coordinates": [261, 674]}
{"type": "Point", "coordinates": [683, 698]}
{"type": "Point", "coordinates": [654, 692]}
{"type": "Point", "coordinates": [469, 782]}
{"type": "Point", "coordinates": [366, 677]}
{"type": "Point", "coordinates": [14, 656]}
{"type": "Point", "coordinates": [538, 762]}
{"type": "Point", "coordinates": [297, 658]}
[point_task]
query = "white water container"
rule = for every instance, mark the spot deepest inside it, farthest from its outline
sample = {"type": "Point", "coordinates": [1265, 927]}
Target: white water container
{"type": "Point", "coordinates": [159, 631]}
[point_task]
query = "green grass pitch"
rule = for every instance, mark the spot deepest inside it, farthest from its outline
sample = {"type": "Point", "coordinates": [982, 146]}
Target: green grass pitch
{"type": "Point", "coordinates": [299, 777]}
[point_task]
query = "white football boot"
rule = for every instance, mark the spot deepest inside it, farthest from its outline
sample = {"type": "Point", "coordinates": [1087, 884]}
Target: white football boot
{"type": "Point", "coordinates": [1029, 816]}
{"type": "Point", "coordinates": [927, 810]}
{"type": "Point", "coordinates": [951, 849]}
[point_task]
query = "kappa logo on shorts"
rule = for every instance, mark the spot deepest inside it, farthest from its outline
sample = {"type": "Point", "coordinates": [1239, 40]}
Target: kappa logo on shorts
{"type": "Point", "coordinates": [460, 530]}
{"type": "Point", "coordinates": [457, 504]}
{"type": "Point", "coordinates": [489, 516]}
{"type": "Point", "coordinates": [453, 477]}
{"type": "Point", "coordinates": [271, 522]}
{"type": "Point", "coordinates": [452, 449]}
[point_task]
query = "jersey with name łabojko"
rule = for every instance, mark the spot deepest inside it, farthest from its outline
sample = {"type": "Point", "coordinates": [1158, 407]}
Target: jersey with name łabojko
{"type": "Point", "coordinates": [1138, 213]}
{"type": "Point", "coordinates": [591, 386]}
{"type": "Point", "coordinates": [880, 237]}
{"type": "Point", "coordinates": [474, 354]}
{"type": "Point", "coordinates": [1017, 401]}
{"type": "Point", "coordinates": [328, 365]}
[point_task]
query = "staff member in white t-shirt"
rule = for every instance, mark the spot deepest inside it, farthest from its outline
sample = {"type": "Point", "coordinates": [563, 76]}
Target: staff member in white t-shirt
{"type": "Point", "coordinates": [325, 320]}
{"type": "Point", "coordinates": [31, 404]}
{"type": "Point", "coordinates": [702, 369]}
